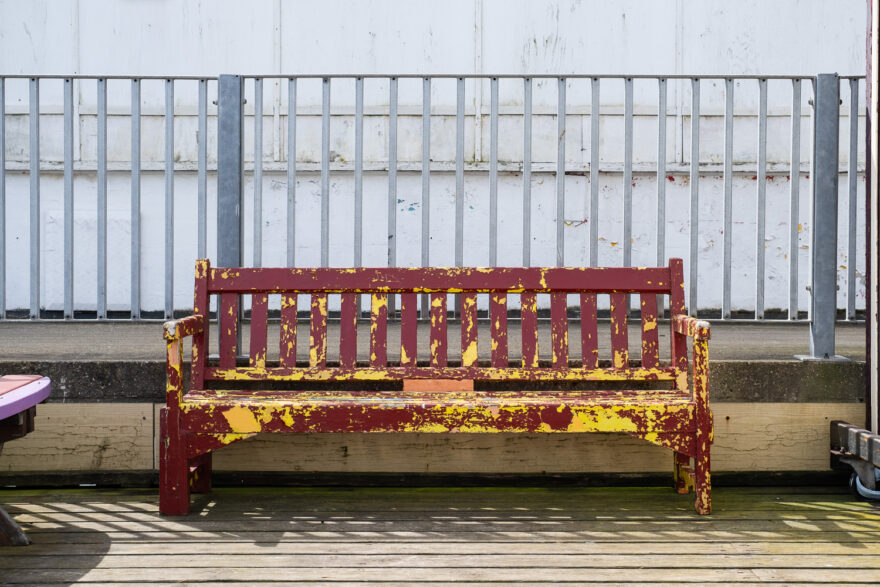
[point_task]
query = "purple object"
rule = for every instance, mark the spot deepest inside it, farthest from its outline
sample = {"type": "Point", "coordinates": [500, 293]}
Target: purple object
{"type": "Point", "coordinates": [24, 397]}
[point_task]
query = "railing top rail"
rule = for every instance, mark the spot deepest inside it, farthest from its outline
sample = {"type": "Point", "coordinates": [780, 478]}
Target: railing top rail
{"type": "Point", "coordinates": [430, 75]}
{"type": "Point", "coordinates": [107, 77]}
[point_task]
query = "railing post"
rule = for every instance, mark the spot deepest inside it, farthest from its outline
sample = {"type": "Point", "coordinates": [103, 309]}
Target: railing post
{"type": "Point", "coordinates": [823, 286]}
{"type": "Point", "coordinates": [230, 170]}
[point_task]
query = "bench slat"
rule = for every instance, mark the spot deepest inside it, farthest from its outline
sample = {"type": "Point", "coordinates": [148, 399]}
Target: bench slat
{"type": "Point", "coordinates": [676, 306]}
{"type": "Point", "coordinates": [650, 339]}
{"type": "Point", "coordinates": [348, 330]}
{"type": "Point", "coordinates": [468, 329]}
{"type": "Point", "coordinates": [498, 328]}
{"type": "Point", "coordinates": [318, 331]}
{"type": "Point", "coordinates": [440, 279]}
{"type": "Point", "coordinates": [559, 329]}
{"type": "Point", "coordinates": [259, 324]}
{"type": "Point", "coordinates": [288, 330]}
{"type": "Point", "coordinates": [619, 334]}
{"type": "Point", "coordinates": [458, 373]}
{"type": "Point", "coordinates": [379, 330]}
{"type": "Point", "coordinates": [201, 307]}
{"type": "Point", "coordinates": [589, 331]}
{"type": "Point", "coordinates": [228, 329]}
{"type": "Point", "coordinates": [409, 316]}
{"type": "Point", "coordinates": [529, 322]}
{"type": "Point", "coordinates": [439, 343]}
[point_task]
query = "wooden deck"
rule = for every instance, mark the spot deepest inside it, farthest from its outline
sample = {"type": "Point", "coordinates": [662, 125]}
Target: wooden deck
{"type": "Point", "coordinates": [445, 535]}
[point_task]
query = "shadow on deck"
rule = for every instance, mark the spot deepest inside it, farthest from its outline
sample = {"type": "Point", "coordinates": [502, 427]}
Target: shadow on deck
{"type": "Point", "coordinates": [443, 535]}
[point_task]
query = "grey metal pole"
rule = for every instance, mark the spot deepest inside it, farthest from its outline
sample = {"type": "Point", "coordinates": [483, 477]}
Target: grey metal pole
{"type": "Point", "coordinates": [230, 170]}
{"type": "Point", "coordinates": [823, 289]}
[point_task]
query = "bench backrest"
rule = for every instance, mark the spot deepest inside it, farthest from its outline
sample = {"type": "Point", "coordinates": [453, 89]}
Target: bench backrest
{"type": "Point", "coordinates": [439, 285]}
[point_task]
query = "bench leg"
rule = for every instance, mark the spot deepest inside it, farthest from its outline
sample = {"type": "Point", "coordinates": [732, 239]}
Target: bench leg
{"type": "Point", "coordinates": [173, 466]}
{"type": "Point", "coordinates": [200, 474]}
{"type": "Point", "coordinates": [703, 480]}
{"type": "Point", "coordinates": [682, 473]}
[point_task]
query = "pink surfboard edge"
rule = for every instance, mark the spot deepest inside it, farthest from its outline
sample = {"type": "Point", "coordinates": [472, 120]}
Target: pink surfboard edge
{"type": "Point", "coordinates": [26, 396]}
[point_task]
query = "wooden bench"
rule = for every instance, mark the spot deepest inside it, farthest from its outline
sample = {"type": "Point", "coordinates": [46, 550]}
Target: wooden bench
{"type": "Point", "coordinates": [19, 396]}
{"type": "Point", "coordinates": [228, 401]}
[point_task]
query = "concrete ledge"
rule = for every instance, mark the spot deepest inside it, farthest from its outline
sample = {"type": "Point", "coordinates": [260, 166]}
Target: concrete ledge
{"type": "Point", "coordinates": [731, 381]}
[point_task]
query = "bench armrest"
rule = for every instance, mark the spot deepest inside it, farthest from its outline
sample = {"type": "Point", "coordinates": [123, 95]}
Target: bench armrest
{"type": "Point", "coordinates": [178, 329]}
{"type": "Point", "coordinates": [690, 326]}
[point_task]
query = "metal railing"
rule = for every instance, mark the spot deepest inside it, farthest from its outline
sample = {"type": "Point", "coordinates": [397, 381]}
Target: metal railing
{"type": "Point", "coordinates": [425, 137]}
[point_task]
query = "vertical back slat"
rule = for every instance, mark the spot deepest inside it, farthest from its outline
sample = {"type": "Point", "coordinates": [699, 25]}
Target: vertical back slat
{"type": "Point", "coordinates": [259, 319]}
{"type": "Point", "coordinates": [200, 340]}
{"type": "Point", "coordinates": [589, 331]}
{"type": "Point", "coordinates": [288, 330]}
{"type": "Point", "coordinates": [228, 330]}
{"type": "Point", "coordinates": [529, 319]}
{"type": "Point", "coordinates": [498, 329]}
{"type": "Point", "coordinates": [619, 334]}
{"type": "Point", "coordinates": [468, 329]}
{"type": "Point", "coordinates": [379, 330]}
{"type": "Point", "coordinates": [318, 332]}
{"type": "Point", "coordinates": [676, 306]}
{"type": "Point", "coordinates": [559, 329]}
{"type": "Point", "coordinates": [650, 340]}
{"type": "Point", "coordinates": [408, 329]}
{"type": "Point", "coordinates": [348, 331]}
{"type": "Point", "coordinates": [439, 343]}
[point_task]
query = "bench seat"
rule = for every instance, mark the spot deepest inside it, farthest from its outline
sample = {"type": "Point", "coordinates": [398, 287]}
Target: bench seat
{"type": "Point", "coordinates": [249, 412]}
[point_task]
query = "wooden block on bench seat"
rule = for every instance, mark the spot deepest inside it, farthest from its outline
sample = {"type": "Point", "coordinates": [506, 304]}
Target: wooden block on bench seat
{"type": "Point", "coordinates": [438, 385]}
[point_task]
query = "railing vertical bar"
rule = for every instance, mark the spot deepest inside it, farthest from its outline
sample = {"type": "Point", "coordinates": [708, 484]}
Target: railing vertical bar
{"type": "Point", "coordinates": [325, 173]}
{"type": "Point", "coordinates": [68, 199]}
{"type": "Point", "coordinates": [34, 144]}
{"type": "Point", "coordinates": [594, 172]}
{"type": "Point", "coordinates": [2, 198]}
{"type": "Point", "coordinates": [135, 199]}
{"type": "Point", "coordinates": [627, 170]}
{"type": "Point", "coordinates": [726, 287]}
{"type": "Point", "coordinates": [426, 182]}
{"type": "Point", "coordinates": [291, 172]}
{"type": "Point", "coordinates": [102, 199]}
{"type": "Point", "coordinates": [527, 172]}
{"type": "Point", "coordinates": [852, 176]}
{"type": "Point", "coordinates": [794, 199]}
{"type": "Point", "coordinates": [761, 216]}
{"type": "Point", "coordinates": [459, 194]}
{"type": "Point", "coordinates": [169, 198]}
{"type": "Point", "coordinates": [203, 170]}
{"type": "Point", "coordinates": [258, 172]}
{"type": "Point", "coordinates": [493, 172]}
{"type": "Point", "coordinates": [358, 189]}
{"type": "Point", "coordinates": [459, 174]}
{"type": "Point", "coordinates": [392, 181]}
{"type": "Point", "coordinates": [695, 193]}
{"type": "Point", "coordinates": [359, 173]}
{"type": "Point", "coordinates": [560, 173]}
{"type": "Point", "coordinates": [661, 173]}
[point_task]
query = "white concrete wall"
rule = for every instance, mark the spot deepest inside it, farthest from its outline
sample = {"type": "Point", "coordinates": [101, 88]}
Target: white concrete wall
{"type": "Point", "coordinates": [141, 38]}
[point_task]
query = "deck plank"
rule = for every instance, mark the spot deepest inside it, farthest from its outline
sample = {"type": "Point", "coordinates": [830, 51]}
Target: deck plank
{"type": "Point", "coordinates": [438, 536]}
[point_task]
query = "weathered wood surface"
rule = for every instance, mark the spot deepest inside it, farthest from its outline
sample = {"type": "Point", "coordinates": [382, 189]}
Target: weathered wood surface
{"type": "Point", "coordinates": [748, 437]}
{"type": "Point", "coordinates": [438, 536]}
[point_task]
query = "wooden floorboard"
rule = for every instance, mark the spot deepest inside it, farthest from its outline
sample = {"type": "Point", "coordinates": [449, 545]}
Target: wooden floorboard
{"type": "Point", "coordinates": [438, 536]}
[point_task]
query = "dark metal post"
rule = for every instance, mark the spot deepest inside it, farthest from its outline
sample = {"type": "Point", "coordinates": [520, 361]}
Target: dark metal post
{"type": "Point", "coordinates": [823, 289]}
{"type": "Point", "coordinates": [230, 170]}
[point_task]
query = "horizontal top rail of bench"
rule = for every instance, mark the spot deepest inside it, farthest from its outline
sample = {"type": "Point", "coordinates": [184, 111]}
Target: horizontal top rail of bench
{"type": "Point", "coordinates": [446, 279]}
